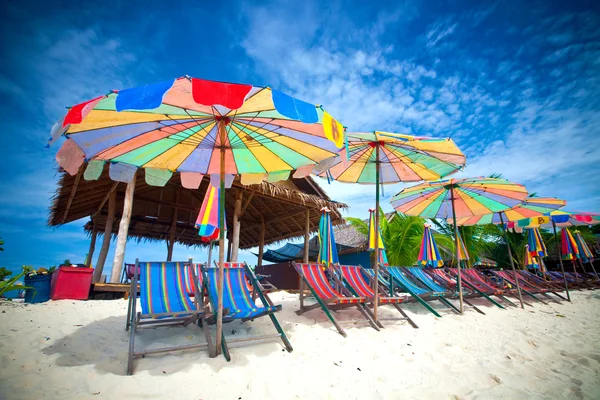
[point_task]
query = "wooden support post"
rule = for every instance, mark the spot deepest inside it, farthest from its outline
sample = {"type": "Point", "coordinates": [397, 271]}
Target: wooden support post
{"type": "Point", "coordinates": [305, 254]}
{"type": "Point", "coordinates": [229, 247]}
{"type": "Point", "coordinates": [123, 230]}
{"type": "Point", "coordinates": [171, 241]}
{"type": "Point", "coordinates": [261, 246]}
{"type": "Point", "coordinates": [90, 254]}
{"type": "Point", "coordinates": [237, 213]}
{"type": "Point", "coordinates": [112, 203]}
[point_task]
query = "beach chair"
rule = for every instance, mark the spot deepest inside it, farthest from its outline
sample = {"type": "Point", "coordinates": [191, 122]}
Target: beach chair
{"type": "Point", "coordinates": [526, 288]}
{"type": "Point", "coordinates": [164, 302]}
{"type": "Point", "coordinates": [361, 285]}
{"type": "Point", "coordinates": [399, 279]}
{"type": "Point", "coordinates": [477, 280]}
{"type": "Point", "coordinates": [449, 292]}
{"type": "Point", "coordinates": [470, 288]}
{"type": "Point", "coordinates": [328, 297]}
{"type": "Point", "coordinates": [238, 301]}
{"type": "Point", "coordinates": [536, 281]}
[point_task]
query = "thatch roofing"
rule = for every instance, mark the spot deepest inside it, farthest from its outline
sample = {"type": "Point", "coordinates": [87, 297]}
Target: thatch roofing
{"type": "Point", "coordinates": [282, 205]}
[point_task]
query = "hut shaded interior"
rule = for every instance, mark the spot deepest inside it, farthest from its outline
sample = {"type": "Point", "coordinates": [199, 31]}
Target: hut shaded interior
{"type": "Point", "coordinates": [156, 210]}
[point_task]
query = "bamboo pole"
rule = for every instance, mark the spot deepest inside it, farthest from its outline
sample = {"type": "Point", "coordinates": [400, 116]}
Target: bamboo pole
{"type": "Point", "coordinates": [123, 230]}
{"type": "Point", "coordinates": [562, 268]}
{"type": "Point", "coordinates": [222, 133]}
{"type": "Point", "coordinates": [512, 262]}
{"type": "Point", "coordinates": [261, 246]}
{"type": "Point", "coordinates": [112, 203]}
{"type": "Point", "coordinates": [171, 242]}
{"type": "Point", "coordinates": [88, 261]}
{"type": "Point", "coordinates": [237, 213]}
{"type": "Point", "coordinates": [460, 293]}
{"type": "Point", "coordinates": [376, 280]}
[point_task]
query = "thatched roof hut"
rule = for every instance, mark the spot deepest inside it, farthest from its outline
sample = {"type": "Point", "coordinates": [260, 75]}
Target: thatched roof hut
{"type": "Point", "coordinates": [281, 205]}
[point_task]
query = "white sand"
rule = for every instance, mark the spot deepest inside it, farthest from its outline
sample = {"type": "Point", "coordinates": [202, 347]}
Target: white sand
{"type": "Point", "coordinates": [76, 350]}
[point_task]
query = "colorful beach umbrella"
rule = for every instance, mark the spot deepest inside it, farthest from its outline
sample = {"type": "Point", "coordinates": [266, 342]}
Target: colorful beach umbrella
{"type": "Point", "coordinates": [459, 198]}
{"type": "Point", "coordinates": [537, 248]}
{"type": "Point", "coordinates": [463, 254]}
{"type": "Point", "coordinates": [207, 222]}
{"type": "Point", "coordinates": [197, 127]}
{"type": "Point", "coordinates": [569, 249]}
{"type": "Point", "coordinates": [382, 158]}
{"type": "Point", "coordinates": [529, 260]}
{"type": "Point", "coordinates": [585, 254]}
{"type": "Point", "coordinates": [429, 255]}
{"type": "Point", "coordinates": [327, 249]}
{"type": "Point", "coordinates": [530, 207]}
{"type": "Point", "coordinates": [559, 218]}
{"type": "Point", "coordinates": [382, 256]}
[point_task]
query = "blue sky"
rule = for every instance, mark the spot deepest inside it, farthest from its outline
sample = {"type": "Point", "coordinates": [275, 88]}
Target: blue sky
{"type": "Point", "coordinates": [516, 84]}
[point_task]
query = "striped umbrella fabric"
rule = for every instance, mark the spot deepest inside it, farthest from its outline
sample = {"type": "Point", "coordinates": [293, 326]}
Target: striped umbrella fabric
{"type": "Point", "coordinates": [529, 260]}
{"type": "Point", "coordinates": [472, 196]}
{"type": "Point", "coordinates": [531, 207]}
{"type": "Point", "coordinates": [182, 124]}
{"type": "Point", "coordinates": [536, 244]}
{"type": "Point", "coordinates": [382, 258]}
{"type": "Point", "coordinates": [585, 253]}
{"type": "Point", "coordinates": [569, 248]}
{"type": "Point", "coordinates": [463, 254]}
{"type": "Point", "coordinates": [401, 158]}
{"type": "Point", "coordinates": [560, 218]}
{"type": "Point", "coordinates": [327, 249]}
{"type": "Point", "coordinates": [207, 222]}
{"type": "Point", "coordinates": [429, 255]}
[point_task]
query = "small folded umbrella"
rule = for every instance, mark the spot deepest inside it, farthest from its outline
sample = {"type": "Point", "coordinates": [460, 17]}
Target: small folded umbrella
{"type": "Point", "coordinates": [382, 257]}
{"type": "Point", "coordinates": [537, 248]}
{"type": "Point", "coordinates": [530, 261]}
{"type": "Point", "coordinates": [207, 222]}
{"type": "Point", "coordinates": [463, 254]}
{"type": "Point", "coordinates": [327, 249]}
{"type": "Point", "coordinates": [585, 254]}
{"type": "Point", "coordinates": [569, 249]}
{"type": "Point", "coordinates": [429, 255]}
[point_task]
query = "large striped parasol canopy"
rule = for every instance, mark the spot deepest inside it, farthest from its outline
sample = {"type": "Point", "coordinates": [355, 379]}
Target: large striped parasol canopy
{"type": "Point", "coordinates": [531, 207]}
{"type": "Point", "coordinates": [429, 255]}
{"type": "Point", "coordinates": [182, 124]}
{"type": "Point", "coordinates": [401, 158]}
{"type": "Point", "coordinates": [382, 256]}
{"type": "Point", "coordinates": [328, 254]}
{"type": "Point", "coordinates": [472, 197]}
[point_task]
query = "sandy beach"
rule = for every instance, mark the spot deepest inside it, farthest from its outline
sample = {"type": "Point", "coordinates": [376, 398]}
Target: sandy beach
{"type": "Point", "coordinates": [74, 350]}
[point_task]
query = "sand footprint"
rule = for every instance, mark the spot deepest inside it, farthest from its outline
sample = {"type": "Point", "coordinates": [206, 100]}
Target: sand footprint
{"type": "Point", "coordinates": [497, 381]}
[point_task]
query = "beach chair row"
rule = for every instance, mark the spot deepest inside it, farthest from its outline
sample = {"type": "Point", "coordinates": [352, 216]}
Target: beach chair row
{"type": "Point", "coordinates": [345, 286]}
{"type": "Point", "coordinates": [184, 293]}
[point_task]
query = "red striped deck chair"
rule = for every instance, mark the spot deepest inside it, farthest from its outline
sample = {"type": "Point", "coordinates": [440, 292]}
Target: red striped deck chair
{"type": "Point", "coordinates": [509, 278]}
{"type": "Point", "coordinates": [164, 302]}
{"type": "Point", "coordinates": [361, 284]}
{"type": "Point", "coordinates": [328, 297]}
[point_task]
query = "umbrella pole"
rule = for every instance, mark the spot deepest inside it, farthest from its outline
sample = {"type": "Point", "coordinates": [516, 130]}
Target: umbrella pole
{"type": "Point", "coordinates": [512, 263]}
{"type": "Point", "coordinates": [221, 239]}
{"type": "Point", "coordinates": [460, 293]}
{"type": "Point", "coordinates": [562, 267]}
{"type": "Point", "coordinates": [594, 269]}
{"type": "Point", "coordinates": [210, 246]}
{"type": "Point", "coordinates": [376, 280]}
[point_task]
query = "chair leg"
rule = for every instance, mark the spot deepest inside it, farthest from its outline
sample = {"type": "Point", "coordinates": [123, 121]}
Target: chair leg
{"type": "Point", "coordinates": [446, 302]}
{"type": "Point", "coordinates": [224, 348]}
{"type": "Point", "coordinates": [474, 307]}
{"type": "Point", "coordinates": [363, 310]}
{"type": "Point", "coordinates": [131, 348]}
{"type": "Point", "coordinates": [286, 342]}
{"type": "Point", "coordinates": [212, 353]}
{"type": "Point", "coordinates": [401, 311]}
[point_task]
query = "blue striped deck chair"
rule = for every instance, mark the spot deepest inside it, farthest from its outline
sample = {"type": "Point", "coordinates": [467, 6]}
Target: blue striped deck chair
{"type": "Point", "coordinates": [428, 281]}
{"type": "Point", "coordinates": [164, 302]}
{"type": "Point", "coordinates": [404, 282]}
{"type": "Point", "coordinates": [238, 302]}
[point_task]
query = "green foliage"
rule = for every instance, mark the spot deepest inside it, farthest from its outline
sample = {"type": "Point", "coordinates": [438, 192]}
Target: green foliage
{"type": "Point", "coordinates": [10, 284]}
{"type": "Point", "coordinates": [67, 262]}
{"type": "Point", "coordinates": [4, 273]}
{"type": "Point", "coordinates": [402, 236]}
{"type": "Point", "coordinates": [52, 269]}
{"type": "Point", "coordinates": [1, 245]}
{"type": "Point", "coordinates": [27, 269]}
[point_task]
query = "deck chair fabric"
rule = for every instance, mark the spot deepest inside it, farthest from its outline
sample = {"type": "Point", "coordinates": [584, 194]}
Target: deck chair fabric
{"type": "Point", "coordinates": [164, 302]}
{"type": "Point", "coordinates": [425, 279]}
{"type": "Point", "coordinates": [238, 302]}
{"type": "Point", "coordinates": [472, 281]}
{"type": "Point", "coordinates": [399, 275]}
{"type": "Point", "coordinates": [328, 297]}
{"type": "Point", "coordinates": [237, 299]}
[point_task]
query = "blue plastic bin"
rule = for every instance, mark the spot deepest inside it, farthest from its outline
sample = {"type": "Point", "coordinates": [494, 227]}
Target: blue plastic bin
{"type": "Point", "coordinates": [41, 284]}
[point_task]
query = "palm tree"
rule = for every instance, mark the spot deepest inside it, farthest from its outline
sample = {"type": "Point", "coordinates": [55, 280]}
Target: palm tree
{"type": "Point", "coordinates": [1, 245]}
{"type": "Point", "coordinates": [402, 236]}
